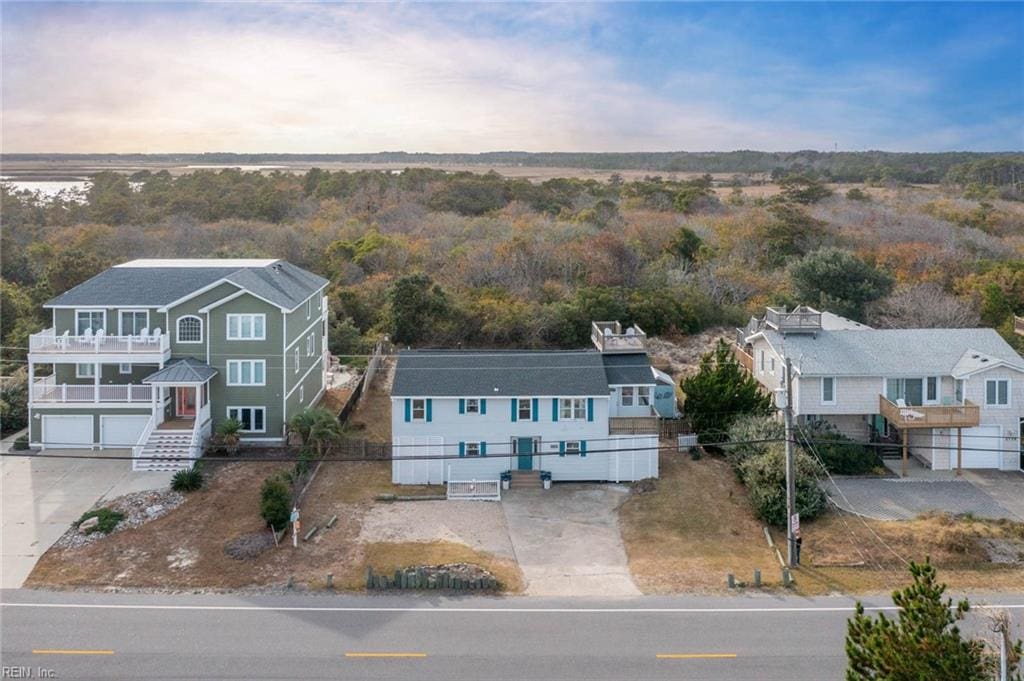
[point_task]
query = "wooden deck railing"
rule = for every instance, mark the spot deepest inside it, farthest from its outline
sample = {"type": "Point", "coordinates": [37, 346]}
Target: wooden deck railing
{"type": "Point", "coordinates": [634, 425]}
{"type": "Point", "coordinates": [745, 359]}
{"type": "Point", "coordinates": [964, 415]}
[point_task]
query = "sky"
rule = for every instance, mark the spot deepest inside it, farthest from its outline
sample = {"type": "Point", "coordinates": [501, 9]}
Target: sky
{"type": "Point", "coordinates": [341, 78]}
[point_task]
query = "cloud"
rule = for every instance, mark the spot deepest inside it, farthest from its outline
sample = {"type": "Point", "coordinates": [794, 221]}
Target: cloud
{"type": "Point", "coordinates": [343, 78]}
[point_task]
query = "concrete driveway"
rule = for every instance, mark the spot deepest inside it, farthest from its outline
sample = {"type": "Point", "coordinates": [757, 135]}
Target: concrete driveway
{"type": "Point", "coordinates": [1006, 487]}
{"type": "Point", "coordinates": [40, 497]}
{"type": "Point", "coordinates": [567, 540]}
{"type": "Point", "coordinates": [905, 499]}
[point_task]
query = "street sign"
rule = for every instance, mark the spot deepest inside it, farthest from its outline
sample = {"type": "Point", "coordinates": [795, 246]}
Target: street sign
{"type": "Point", "coordinates": [795, 522]}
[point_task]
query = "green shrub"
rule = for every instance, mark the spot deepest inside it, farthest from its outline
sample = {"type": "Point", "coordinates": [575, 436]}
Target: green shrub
{"type": "Point", "coordinates": [718, 393]}
{"type": "Point", "coordinates": [21, 443]}
{"type": "Point", "coordinates": [765, 477]}
{"type": "Point", "coordinates": [276, 502]}
{"type": "Point", "coordinates": [187, 480]}
{"type": "Point", "coordinates": [108, 520]}
{"type": "Point", "coordinates": [746, 431]}
{"type": "Point", "coordinates": [839, 453]}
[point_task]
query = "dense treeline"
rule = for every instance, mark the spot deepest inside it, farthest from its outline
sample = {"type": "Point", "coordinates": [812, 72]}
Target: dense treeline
{"type": "Point", "coordinates": [431, 257]}
{"type": "Point", "coordinates": [840, 166]}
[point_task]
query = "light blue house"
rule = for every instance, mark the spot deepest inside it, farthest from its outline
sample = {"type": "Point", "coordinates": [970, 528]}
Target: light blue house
{"type": "Point", "coordinates": [580, 415]}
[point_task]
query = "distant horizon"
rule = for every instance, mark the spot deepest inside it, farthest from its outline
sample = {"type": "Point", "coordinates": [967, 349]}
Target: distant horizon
{"type": "Point", "coordinates": [995, 152]}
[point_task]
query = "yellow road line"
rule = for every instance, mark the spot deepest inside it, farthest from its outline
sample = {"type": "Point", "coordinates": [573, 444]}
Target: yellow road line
{"type": "Point", "coordinates": [695, 656]}
{"type": "Point", "coordinates": [71, 652]}
{"type": "Point", "coordinates": [385, 654]}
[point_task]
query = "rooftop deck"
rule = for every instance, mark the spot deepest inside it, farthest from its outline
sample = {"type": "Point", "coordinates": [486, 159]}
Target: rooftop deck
{"type": "Point", "coordinates": [1018, 325]}
{"type": "Point", "coordinates": [609, 337]}
{"type": "Point", "coordinates": [964, 415]}
{"type": "Point", "coordinates": [800, 320]}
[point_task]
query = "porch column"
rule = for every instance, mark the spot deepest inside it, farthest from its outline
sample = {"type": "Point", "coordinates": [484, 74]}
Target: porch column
{"type": "Point", "coordinates": [903, 469]}
{"type": "Point", "coordinates": [959, 451]}
{"type": "Point", "coordinates": [31, 381]}
{"type": "Point", "coordinates": [96, 381]}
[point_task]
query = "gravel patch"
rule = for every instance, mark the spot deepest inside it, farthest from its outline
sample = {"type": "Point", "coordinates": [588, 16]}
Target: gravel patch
{"type": "Point", "coordinates": [138, 508]}
{"type": "Point", "coordinates": [479, 525]}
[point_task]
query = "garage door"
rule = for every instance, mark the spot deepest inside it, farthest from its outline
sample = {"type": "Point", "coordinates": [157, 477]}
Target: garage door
{"type": "Point", "coordinates": [978, 445]}
{"type": "Point", "coordinates": [67, 432]}
{"type": "Point", "coordinates": [121, 432]}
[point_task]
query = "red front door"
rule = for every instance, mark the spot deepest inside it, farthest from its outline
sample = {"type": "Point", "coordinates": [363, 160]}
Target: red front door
{"type": "Point", "coordinates": [186, 402]}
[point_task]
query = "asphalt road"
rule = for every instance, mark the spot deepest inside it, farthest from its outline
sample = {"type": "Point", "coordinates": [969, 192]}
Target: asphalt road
{"type": "Point", "coordinates": [133, 636]}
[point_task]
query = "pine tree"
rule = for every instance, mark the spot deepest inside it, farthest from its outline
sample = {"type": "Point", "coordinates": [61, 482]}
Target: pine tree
{"type": "Point", "coordinates": [720, 392]}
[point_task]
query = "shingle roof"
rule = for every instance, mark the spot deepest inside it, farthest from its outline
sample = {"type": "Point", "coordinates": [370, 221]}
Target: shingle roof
{"type": "Point", "coordinates": [184, 370]}
{"type": "Point", "coordinates": [890, 352]}
{"type": "Point", "coordinates": [151, 283]}
{"type": "Point", "coordinates": [473, 373]}
{"type": "Point", "coordinates": [631, 369]}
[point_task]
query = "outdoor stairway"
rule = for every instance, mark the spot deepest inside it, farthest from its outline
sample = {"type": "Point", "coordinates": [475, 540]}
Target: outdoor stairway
{"type": "Point", "coordinates": [524, 479]}
{"type": "Point", "coordinates": [166, 450]}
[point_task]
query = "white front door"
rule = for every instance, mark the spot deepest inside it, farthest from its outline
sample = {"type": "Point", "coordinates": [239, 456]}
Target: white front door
{"type": "Point", "coordinates": [981, 448]}
{"type": "Point", "coordinates": [67, 432]}
{"type": "Point", "coordinates": [121, 432]}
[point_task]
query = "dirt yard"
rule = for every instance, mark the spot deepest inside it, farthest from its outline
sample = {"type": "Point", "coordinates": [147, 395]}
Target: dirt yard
{"type": "Point", "coordinates": [372, 417]}
{"type": "Point", "coordinates": [186, 547]}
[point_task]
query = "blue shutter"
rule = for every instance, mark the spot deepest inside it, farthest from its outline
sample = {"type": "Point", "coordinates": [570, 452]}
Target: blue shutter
{"type": "Point", "coordinates": [535, 411]}
{"type": "Point", "coordinates": [554, 408]}
{"type": "Point", "coordinates": [561, 448]}
{"type": "Point", "coordinates": [462, 405]}
{"type": "Point", "coordinates": [408, 410]}
{"type": "Point", "coordinates": [590, 408]}
{"type": "Point", "coordinates": [462, 449]}
{"type": "Point", "coordinates": [483, 449]}
{"type": "Point", "coordinates": [430, 410]}
{"type": "Point", "coordinates": [483, 407]}
{"type": "Point", "coordinates": [583, 447]}
{"type": "Point", "coordinates": [515, 410]}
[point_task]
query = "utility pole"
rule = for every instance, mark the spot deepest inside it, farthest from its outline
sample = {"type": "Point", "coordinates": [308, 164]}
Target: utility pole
{"type": "Point", "coordinates": [792, 558]}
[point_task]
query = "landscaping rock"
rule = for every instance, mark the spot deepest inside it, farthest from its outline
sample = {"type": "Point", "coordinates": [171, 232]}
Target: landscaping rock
{"type": "Point", "coordinates": [137, 508]}
{"type": "Point", "coordinates": [88, 525]}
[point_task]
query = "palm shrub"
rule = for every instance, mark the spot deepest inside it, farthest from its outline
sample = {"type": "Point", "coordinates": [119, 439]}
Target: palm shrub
{"type": "Point", "coordinates": [719, 393]}
{"type": "Point", "coordinates": [317, 427]}
{"type": "Point", "coordinates": [187, 480]}
{"type": "Point", "coordinates": [276, 502]}
{"type": "Point", "coordinates": [747, 438]}
{"type": "Point", "coordinates": [227, 437]}
{"type": "Point", "coordinates": [765, 478]}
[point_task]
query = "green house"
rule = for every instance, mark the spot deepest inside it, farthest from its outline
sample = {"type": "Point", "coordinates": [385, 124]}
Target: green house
{"type": "Point", "coordinates": [151, 355]}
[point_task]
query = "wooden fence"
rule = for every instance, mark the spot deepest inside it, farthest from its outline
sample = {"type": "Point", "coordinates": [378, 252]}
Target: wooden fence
{"type": "Point", "coordinates": [379, 351]}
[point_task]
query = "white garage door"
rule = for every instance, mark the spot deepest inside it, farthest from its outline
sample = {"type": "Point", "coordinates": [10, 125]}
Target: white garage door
{"type": "Point", "coordinates": [67, 432]}
{"type": "Point", "coordinates": [979, 443]}
{"type": "Point", "coordinates": [121, 432]}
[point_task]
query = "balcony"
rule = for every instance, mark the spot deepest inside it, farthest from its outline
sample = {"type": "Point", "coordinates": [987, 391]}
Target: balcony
{"type": "Point", "coordinates": [609, 337]}
{"type": "Point", "coordinates": [48, 343]}
{"type": "Point", "coordinates": [634, 425]}
{"type": "Point", "coordinates": [964, 415]}
{"type": "Point", "coordinates": [47, 391]}
{"type": "Point", "coordinates": [800, 320]}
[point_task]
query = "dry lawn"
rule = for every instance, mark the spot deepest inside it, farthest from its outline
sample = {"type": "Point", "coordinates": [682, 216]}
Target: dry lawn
{"type": "Point", "coordinates": [695, 527]}
{"type": "Point", "coordinates": [372, 417]}
{"type": "Point", "coordinates": [334, 399]}
{"type": "Point", "coordinates": [185, 548]}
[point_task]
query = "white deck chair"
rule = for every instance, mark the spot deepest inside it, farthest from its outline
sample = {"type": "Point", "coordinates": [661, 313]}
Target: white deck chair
{"type": "Point", "coordinates": [87, 334]}
{"type": "Point", "coordinates": [155, 336]}
{"type": "Point", "coordinates": [143, 334]}
{"type": "Point", "coordinates": [63, 339]}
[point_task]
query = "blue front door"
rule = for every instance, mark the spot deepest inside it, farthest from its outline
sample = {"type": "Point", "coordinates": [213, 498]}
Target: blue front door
{"type": "Point", "coordinates": [524, 448]}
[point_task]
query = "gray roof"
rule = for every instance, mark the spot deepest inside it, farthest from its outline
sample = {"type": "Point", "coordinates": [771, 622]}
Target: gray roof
{"type": "Point", "coordinates": [631, 369]}
{"type": "Point", "coordinates": [892, 352]}
{"type": "Point", "coordinates": [184, 370]}
{"type": "Point", "coordinates": [280, 282]}
{"type": "Point", "coordinates": [483, 373]}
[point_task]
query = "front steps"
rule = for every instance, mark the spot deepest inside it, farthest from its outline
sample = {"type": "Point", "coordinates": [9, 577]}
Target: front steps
{"type": "Point", "coordinates": [524, 479]}
{"type": "Point", "coordinates": [165, 450]}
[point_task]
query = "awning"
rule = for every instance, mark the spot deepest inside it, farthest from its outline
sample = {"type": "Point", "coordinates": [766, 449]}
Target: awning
{"type": "Point", "coordinates": [185, 370]}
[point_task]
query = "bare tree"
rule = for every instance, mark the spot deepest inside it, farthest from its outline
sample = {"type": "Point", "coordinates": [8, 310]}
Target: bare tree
{"type": "Point", "coordinates": [923, 306]}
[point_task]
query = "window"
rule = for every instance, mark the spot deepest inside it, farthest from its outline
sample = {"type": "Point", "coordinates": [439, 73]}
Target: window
{"type": "Point", "coordinates": [997, 392]}
{"type": "Point", "coordinates": [761, 358]}
{"type": "Point", "coordinates": [89, 319]}
{"type": "Point", "coordinates": [133, 322]}
{"type": "Point", "coordinates": [472, 449]}
{"type": "Point", "coordinates": [526, 410]}
{"type": "Point", "coordinates": [302, 393]}
{"type": "Point", "coordinates": [626, 396]}
{"type": "Point", "coordinates": [296, 360]}
{"type": "Point", "coordinates": [309, 345]}
{"type": "Point", "coordinates": [85, 371]}
{"type": "Point", "coordinates": [309, 308]}
{"type": "Point", "coordinates": [572, 448]}
{"type": "Point", "coordinates": [931, 390]}
{"type": "Point", "coordinates": [643, 396]}
{"type": "Point", "coordinates": [828, 390]}
{"type": "Point", "coordinates": [190, 329]}
{"type": "Point", "coordinates": [246, 371]}
{"type": "Point", "coordinates": [124, 368]}
{"type": "Point", "coordinates": [772, 364]}
{"type": "Point", "coordinates": [472, 406]}
{"type": "Point", "coordinates": [205, 395]}
{"type": "Point", "coordinates": [247, 327]}
{"type": "Point", "coordinates": [572, 409]}
{"type": "Point", "coordinates": [252, 418]}
{"type": "Point", "coordinates": [958, 391]}
{"type": "Point", "coordinates": [419, 410]}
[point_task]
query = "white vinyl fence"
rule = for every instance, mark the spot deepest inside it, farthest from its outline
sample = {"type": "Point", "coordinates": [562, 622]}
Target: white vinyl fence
{"type": "Point", "coordinates": [478, 490]}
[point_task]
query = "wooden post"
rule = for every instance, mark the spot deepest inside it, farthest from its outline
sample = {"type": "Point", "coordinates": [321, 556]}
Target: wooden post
{"type": "Point", "coordinates": [959, 451]}
{"type": "Point", "coordinates": [903, 470]}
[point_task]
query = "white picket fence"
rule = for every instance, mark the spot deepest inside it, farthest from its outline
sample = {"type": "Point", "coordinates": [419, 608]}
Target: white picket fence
{"type": "Point", "coordinates": [687, 441]}
{"type": "Point", "coordinates": [477, 490]}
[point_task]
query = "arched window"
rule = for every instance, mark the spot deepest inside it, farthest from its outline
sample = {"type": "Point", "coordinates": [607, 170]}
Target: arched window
{"type": "Point", "coordinates": [190, 329]}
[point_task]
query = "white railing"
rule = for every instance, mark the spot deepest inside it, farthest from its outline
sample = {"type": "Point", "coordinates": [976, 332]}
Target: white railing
{"type": "Point", "coordinates": [137, 463]}
{"type": "Point", "coordinates": [477, 490]}
{"type": "Point", "coordinates": [49, 341]}
{"type": "Point", "coordinates": [609, 337]}
{"type": "Point", "coordinates": [46, 390]}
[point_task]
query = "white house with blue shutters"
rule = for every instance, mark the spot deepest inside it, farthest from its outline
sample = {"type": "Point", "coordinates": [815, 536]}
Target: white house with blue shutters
{"type": "Point", "coordinates": [579, 415]}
